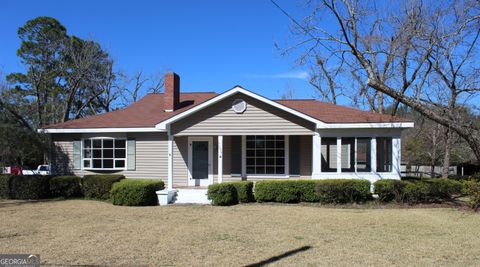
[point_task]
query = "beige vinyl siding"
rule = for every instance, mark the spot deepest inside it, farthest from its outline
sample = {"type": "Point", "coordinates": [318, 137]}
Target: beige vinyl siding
{"type": "Point", "coordinates": [259, 119]}
{"type": "Point", "coordinates": [151, 155]}
{"type": "Point", "coordinates": [180, 161]}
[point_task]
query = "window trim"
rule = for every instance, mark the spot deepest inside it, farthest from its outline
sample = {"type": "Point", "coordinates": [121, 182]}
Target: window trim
{"type": "Point", "coordinates": [91, 158]}
{"type": "Point", "coordinates": [286, 148]}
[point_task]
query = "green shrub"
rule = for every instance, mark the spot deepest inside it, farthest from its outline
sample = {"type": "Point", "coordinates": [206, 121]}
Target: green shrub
{"type": "Point", "coordinates": [136, 192]}
{"type": "Point", "coordinates": [5, 185]}
{"type": "Point", "coordinates": [472, 190]}
{"type": "Point", "coordinates": [443, 189]}
{"type": "Point", "coordinates": [343, 190]}
{"type": "Point", "coordinates": [278, 191]}
{"type": "Point", "coordinates": [325, 191]}
{"type": "Point", "coordinates": [223, 194]}
{"type": "Point", "coordinates": [267, 191]}
{"type": "Point", "coordinates": [244, 191]}
{"type": "Point", "coordinates": [390, 190]}
{"type": "Point", "coordinates": [99, 186]}
{"type": "Point", "coordinates": [431, 190]}
{"type": "Point", "coordinates": [29, 187]}
{"type": "Point", "coordinates": [66, 186]}
{"type": "Point", "coordinates": [416, 192]}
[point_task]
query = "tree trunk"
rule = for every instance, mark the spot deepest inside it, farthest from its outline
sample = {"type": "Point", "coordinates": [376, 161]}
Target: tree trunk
{"type": "Point", "coordinates": [432, 163]}
{"type": "Point", "coordinates": [446, 157]}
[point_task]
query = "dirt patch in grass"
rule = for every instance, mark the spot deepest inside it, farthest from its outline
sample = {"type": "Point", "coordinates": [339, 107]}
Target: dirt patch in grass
{"type": "Point", "coordinates": [82, 232]}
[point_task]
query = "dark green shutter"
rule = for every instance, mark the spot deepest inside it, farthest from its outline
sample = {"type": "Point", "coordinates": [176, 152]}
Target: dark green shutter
{"type": "Point", "coordinates": [294, 155]}
{"type": "Point", "coordinates": [236, 155]}
{"type": "Point", "coordinates": [77, 154]}
{"type": "Point", "coordinates": [131, 156]}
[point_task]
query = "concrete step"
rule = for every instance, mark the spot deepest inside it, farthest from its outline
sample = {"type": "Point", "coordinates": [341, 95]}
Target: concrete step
{"type": "Point", "coordinates": [191, 196]}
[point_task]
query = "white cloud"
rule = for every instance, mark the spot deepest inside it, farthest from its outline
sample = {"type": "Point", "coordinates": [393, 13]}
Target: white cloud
{"type": "Point", "coordinates": [301, 75]}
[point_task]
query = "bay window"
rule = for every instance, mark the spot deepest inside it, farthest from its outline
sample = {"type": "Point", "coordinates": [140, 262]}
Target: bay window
{"type": "Point", "coordinates": [104, 153]}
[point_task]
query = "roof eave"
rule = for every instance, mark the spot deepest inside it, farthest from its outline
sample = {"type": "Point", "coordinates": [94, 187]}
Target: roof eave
{"type": "Point", "coordinates": [368, 125]}
{"type": "Point", "coordinates": [100, 130]}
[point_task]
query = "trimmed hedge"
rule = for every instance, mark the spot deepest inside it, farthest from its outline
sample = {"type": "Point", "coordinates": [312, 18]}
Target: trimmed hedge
{"type": "Point", "coordinates": [472, 190]}
{"type": "Point", "coordinates": [290, 191]}
{"type": "Point", "coordinates": [244, 190]}
{"type": "Point", "coordinates": [223, 194]}
{"type": "Point", "coordinates": [66, 186]}
{"type": "Point", "coordinates": [99, 186]}
{"type": "Point", "coordinates": [340, 191]}
{"type": "Point", "coordinates": [5, 185]}
{"type": "Point", "coordinates": [390, 190]}
{"type": "Point", "coordinates": [136, 192]}
{"type": "Point", "coordinates": [324, 191]}
{"type": "Point", "coordinates": [29, 187]}
{"type": "Point", "coordinates": [417, 191]}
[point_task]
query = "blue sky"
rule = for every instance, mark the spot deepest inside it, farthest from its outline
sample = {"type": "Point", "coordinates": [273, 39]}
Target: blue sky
{"type": "Point", "coordinates": [212, 45]}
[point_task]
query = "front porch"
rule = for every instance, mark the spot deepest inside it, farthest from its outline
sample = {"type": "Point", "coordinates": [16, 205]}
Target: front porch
{"type": "Point", "coordinates": [323, 155]}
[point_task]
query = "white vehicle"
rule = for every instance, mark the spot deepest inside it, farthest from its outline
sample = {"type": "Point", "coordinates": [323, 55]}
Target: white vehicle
{"type": "Point", "coordinates": [41, 170]}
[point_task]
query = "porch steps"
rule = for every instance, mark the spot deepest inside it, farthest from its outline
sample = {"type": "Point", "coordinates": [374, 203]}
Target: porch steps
{"type": "Point", "coordinates": [191, 196]}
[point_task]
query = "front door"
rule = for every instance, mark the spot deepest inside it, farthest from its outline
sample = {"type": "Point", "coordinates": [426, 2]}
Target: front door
{"type": "Point", "coordinates": [200, 161]}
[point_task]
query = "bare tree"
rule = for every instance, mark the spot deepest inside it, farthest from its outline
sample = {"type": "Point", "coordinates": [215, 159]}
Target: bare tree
{"type": "Point", "coordinates": [394, 47]}
{"type": "Point", "coordinates": [323, 79]}
{"type": "Point", "coordinates": [134, 88]}
{"type": "Point", "coordinates": [289, 93]}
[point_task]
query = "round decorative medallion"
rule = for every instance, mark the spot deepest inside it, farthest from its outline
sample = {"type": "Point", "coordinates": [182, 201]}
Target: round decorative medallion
{"type": "Point", "coordinates": [239, 106]}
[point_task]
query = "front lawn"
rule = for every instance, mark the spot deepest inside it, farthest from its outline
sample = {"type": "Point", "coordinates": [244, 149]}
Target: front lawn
{"type": "Point", "coordinates": [96, 233]}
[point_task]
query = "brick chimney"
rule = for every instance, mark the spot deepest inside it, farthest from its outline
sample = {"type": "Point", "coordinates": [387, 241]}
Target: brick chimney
{"type": "Point", "coordinates": [171, 96]}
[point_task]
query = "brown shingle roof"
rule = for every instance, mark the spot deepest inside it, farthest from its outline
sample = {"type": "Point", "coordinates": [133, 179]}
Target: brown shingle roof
{"type": "Point", "coordinates": [150, 110]}
{"type": "Point", "coordinates": [331, 113]}
{"type": "Point", "coordinates": [144, 113]}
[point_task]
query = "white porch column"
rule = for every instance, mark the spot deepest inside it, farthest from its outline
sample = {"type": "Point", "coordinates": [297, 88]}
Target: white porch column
{"type": "Point", "coordinates": [316, 155]}
{"type": "Point", "coordinates": [396, 156]}
{"type": "Point", "coordinates": [373, 154]}
{"type": "Point", "coordinates": [220, 159]}
{"type": "Point", "coordinates": [339, 154]}
{"type": "Point", "coordinates": [170, 161]}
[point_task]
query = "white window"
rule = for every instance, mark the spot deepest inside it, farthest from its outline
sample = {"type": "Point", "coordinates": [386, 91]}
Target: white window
{"type": "Point", "coordinates": [104, 153]}
{"type": "Point", "coordinates": [265, 154]}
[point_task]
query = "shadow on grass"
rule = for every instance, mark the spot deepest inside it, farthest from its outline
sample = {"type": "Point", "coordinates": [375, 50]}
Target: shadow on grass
{"type": "Point", "coordinates": [279, 257]}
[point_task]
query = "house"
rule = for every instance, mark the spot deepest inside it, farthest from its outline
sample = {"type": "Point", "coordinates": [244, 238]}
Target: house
{"type": "Point", "coordinates": [197, 139]}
